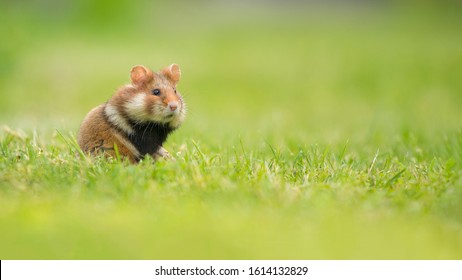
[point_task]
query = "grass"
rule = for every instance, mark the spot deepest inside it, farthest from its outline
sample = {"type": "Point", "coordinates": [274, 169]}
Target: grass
{"type": "Point", "coordinates": [316, 202]}
{"type": "Point", "coordinates": [335, 135]}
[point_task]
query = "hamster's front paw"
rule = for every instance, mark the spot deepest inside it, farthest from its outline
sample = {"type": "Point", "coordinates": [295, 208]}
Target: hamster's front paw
{"type": "Point", "coordinates": [162, 153]}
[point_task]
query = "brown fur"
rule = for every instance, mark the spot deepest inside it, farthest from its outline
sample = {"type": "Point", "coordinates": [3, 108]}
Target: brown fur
{"type": "Point", "coordinates": [98, 134]}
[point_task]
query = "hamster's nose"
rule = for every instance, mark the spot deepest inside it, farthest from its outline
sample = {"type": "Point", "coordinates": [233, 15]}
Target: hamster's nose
{"type": "Point", "coordinates": [173, 105]}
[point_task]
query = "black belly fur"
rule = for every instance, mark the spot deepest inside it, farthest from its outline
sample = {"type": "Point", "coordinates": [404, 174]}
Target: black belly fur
{"type": "Point", "coordinates": [149, 137]}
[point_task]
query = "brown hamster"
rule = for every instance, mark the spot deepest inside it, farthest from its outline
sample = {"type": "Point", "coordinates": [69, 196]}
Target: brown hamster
{"type": "Point", "coordinates": [138, 118]}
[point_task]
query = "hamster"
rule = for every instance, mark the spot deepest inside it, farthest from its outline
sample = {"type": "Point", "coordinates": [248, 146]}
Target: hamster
{"type": "Point", "coordinates": [138, 118]}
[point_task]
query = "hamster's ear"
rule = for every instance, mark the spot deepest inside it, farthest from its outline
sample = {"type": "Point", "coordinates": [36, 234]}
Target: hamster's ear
{"type": "Point", "coordinates": [140, 75]}
{"type": "Point", "coordinates": [173, 73]}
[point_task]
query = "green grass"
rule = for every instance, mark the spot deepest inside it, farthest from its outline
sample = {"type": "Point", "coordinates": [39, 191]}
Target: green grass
{"type": "Point", "coordinates": [312, 133]}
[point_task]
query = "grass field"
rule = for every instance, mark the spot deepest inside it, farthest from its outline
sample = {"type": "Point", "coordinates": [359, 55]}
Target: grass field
{"type": "Point", "coordinates": [313, 132]}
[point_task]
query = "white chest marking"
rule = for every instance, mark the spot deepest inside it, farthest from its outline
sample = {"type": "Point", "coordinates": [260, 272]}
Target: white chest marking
{"type": "Point", "coordinates": [116, 119]}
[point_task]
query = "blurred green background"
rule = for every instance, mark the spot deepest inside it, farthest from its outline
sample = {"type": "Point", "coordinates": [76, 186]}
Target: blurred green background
{"type": "Point", "coordinates": [321, 67]}
{"type": "Point", "coordinates": [368, 75]}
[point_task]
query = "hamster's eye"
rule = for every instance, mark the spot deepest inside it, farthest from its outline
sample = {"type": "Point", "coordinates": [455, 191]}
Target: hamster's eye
{"type": "Point", "coordinates": [174, 89]}
{"type": "Point", "coordinates": [156, 91]}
